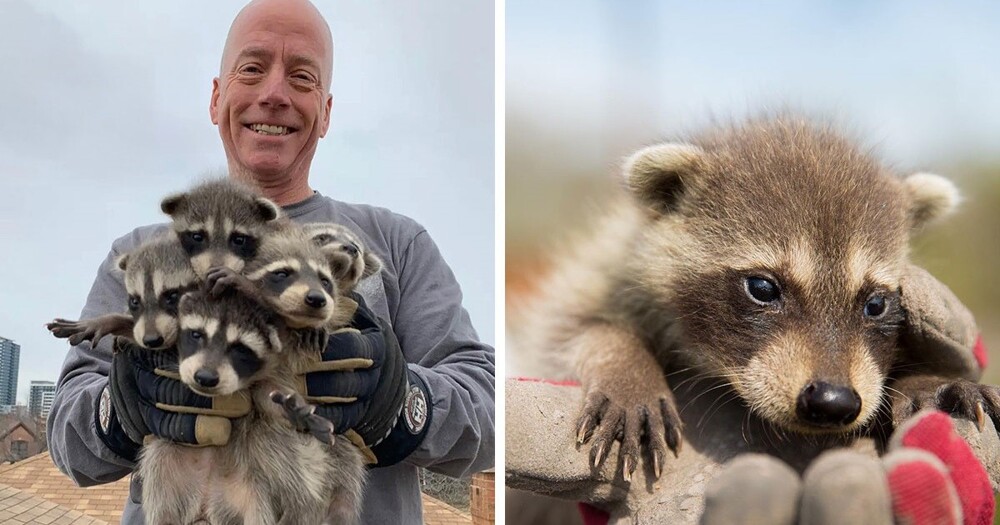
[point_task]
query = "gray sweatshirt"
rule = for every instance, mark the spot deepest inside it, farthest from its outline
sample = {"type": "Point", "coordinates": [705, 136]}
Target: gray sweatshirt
{"type": "Point", "coordinates": [416, 292]}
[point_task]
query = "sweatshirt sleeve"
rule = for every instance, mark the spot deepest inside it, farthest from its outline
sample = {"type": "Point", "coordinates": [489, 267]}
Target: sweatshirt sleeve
{"type": "Point", "coordinates": [73, 440]}
{"type": "Point", "coordinates": [442, 348]}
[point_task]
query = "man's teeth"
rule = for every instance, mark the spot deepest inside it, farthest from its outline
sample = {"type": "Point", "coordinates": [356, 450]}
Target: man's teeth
{"type": "Point", "coordinates": [265, 129]}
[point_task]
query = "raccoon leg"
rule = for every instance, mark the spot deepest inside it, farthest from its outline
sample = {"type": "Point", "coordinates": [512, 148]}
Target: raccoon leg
{"type": "Point", "coordinates": [92, 329]}
{"type": "Point", "coordinates": [302, 415]}
{"type": "Point", "coordinates": [962, 397]}
{"type": "Point", "coordinates": [627, 396]}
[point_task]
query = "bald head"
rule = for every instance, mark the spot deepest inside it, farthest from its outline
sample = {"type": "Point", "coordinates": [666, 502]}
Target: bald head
{"type": "Point", "coordinates": [290, 16]}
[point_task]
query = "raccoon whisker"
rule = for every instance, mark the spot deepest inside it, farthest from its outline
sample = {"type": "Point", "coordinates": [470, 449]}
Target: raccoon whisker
{"type": "Point", "coordinates": [700, 395]}
{"type": "Point", "coordinates": [729, 398]}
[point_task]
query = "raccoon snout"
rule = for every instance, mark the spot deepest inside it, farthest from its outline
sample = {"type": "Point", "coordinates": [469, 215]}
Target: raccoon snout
{"type": "Point", "coordinates": [826, 405]}
{"type": "Point", "coordinates": [316, 299]}
{"type": "Point", "coordinates": [206, 378]}
{"type": "Point", "coordinates": [152, 341]}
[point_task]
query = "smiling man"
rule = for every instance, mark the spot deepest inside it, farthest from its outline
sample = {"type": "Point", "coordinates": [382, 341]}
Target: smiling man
{"type": "Point", "coordinates": [427, 399]}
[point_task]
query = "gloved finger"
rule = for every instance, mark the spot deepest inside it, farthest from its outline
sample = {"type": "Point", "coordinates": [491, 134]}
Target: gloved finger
{"type": "Point", "coordinates": [338, 387]}
{"type": "Point", "coordinates": [921, 491]}
{"type": "Point", "coordinates": [346, 350]}
{"type": "Point", "coordinates": [752, 489]}
{"type": "Point", "coordinates": [934, 431]}
{"type": "Point", "coordinates": [343, 417]}
{"type": "Point", "coordinates": [845, 486]}
{"type": "Point", "coordinates": [189, 429]}
{"type": "Point", "coordinates": [171, 395]}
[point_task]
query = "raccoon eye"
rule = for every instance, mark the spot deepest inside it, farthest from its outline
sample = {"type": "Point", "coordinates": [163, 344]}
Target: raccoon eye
{"type": "Point", "coordinates": [280, 275]}
{"type": "Point", "coordinates": [323, 238]}
{"type": "Point", "coordinates": [133, 303]}
{"type": "Point", "coordinates": [170, 298]}
{"type": "Point", "coordinates": [761, 290]}
{"type": "Point", "coordinates": [327, 285]}
{"type": "Point", "coordinates": [875, 306]}
{"type": "Point", "coordinates": [197, 237]}
{"type": "Point", "coordinates": [196, 335]}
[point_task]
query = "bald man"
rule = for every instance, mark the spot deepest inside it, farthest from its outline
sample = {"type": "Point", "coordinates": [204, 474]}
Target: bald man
{"type": "Point", "coordinates": [271, 103]}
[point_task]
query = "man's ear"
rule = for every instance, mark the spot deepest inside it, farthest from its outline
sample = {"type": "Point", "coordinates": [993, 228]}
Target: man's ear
{"type": "Point", "coordinates": [931, 197]}
{"type": "Point", "coordinates": [213, 105]}
{"type": "Point", "coordinates": [326, 114]}
{"type": "Point", "coordinates": [657, 175]}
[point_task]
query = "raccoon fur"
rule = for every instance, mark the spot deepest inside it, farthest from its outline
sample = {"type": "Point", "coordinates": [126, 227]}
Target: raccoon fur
{"type": "Point", "coordinates": [348, 257]}
{"type": "Point", "coordinates": [157, 274]}
{"type": "Point", "coordinates": [764, 257]}
{"type": "Point", "coordinates": [222, 223]}
{"type": "Point", "coordinates": [268, 472]}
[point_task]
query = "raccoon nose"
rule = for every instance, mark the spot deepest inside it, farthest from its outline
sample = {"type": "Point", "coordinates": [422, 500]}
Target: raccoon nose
{"type": "Point", "coordinates": [316, 299]}
{"type": "Point", "coordinates": [206, 377]}
{"type": "Point", "coordinates": [827, 405]}
{"type": "Point", "coordinates": [152, 341]}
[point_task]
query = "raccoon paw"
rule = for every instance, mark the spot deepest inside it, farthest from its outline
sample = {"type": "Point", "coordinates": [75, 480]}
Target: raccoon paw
{"type": "Point", "coordinates": [606, 421]}
{"type": "Point", "coordinates": [302, 415]}
{"type": "Point", "coordinates": [76, 331]}
{"type": "Point", "coordinates": [959, 397]}
{"type": "Point", "coordinates": [311, 339]}
{"type": "Point", "coordinates": [220, 278]}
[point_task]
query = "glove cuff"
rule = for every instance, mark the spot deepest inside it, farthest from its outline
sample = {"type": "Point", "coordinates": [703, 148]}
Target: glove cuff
{"type": "Point", "coordinates": [109, 427]}
{"type": "Point", "coordinates": [412, 424]}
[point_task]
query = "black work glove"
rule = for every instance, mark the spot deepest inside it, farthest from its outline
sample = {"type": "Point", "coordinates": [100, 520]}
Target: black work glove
{"type": "Point", "coordinates": [361, 383]}
{"type": "Point", "coordinates": [145, 397]}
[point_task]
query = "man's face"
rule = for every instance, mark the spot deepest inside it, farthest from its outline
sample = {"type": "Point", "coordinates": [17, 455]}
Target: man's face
{"type": "Point", "coordinates": [270, 102]}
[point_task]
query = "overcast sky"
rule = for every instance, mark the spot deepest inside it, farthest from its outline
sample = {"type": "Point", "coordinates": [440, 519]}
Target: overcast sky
{"type": "Point", "coordinates": [104, 110]}
{"type": "Point", "coordinates": [918, 78]}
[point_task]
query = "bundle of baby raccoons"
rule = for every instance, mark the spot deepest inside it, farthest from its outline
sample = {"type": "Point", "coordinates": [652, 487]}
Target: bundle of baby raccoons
{"type": "Point", "coordinates": [244, 296]}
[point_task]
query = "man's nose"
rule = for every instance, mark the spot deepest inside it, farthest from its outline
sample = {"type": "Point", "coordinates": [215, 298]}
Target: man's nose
{"type": "Point", "coordinates": [274, 92]}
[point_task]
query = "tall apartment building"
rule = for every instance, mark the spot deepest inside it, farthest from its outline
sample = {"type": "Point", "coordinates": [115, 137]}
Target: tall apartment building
{"type": "Point", "coordinates": [10, 357]}
{"type": "Point", "coordinates": [41, 396]}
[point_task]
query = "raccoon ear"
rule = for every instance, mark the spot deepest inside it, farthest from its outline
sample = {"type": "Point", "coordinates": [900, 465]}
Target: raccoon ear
{"type": "Point", "coordinates": [931, 197]}
{"type": "Point", "coordinates": [373, 265]}
{"type": "Point", "coordinates": [122, 262]}
{"type": "Point", "coordinates": [172, 203]}
{"type": "Point", "coordinates": [655, 175]}
{"type": "Point", "coordinates": [267, 209]}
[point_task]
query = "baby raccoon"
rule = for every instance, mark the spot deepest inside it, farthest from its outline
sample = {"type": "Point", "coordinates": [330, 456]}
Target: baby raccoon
{"type": "Point", "coordinates": [290, 275]}
{"type": "Point", "coordinates": [268, 471]}
{"type": "Point", "coordinates": [347, 254]}
{"type": "Point", "coordinates": [766, 256]}
{"type": "Point", "coordinates": [157, 274]}
{"type": "Point", "coordinates": [222, 223]}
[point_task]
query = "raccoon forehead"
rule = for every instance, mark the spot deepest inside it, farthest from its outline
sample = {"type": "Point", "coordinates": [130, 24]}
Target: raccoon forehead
{"type": "Point", "coordinates": [320, 267]}
{"type": "Point", "coordinates": [259, 273]}
{"type": "Point", "coordinates": [135, 281]}
{"type": "Point", "coordinates": [209, 325]}
{"type": "Point", "coordinates": [164, 280]}
{"type": "Point", "coordinates": [250, 338]}
{"type": "Point", "coordinates": [185, 224]}
{"type": "Point", "coordinates": [865, 266]}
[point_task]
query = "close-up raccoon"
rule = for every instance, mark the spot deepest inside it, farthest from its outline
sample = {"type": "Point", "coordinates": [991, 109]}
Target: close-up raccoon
{"type": "Point", "coordinates": [157, 274]}
{"type": "Point", "coordinates": [763, 259]}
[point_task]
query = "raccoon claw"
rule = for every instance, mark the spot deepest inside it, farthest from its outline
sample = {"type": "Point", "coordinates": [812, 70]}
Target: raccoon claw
{"type": "Point", "coordinates": [220, 278]}
{"type": "Point", "coordinates": [302, 415]}
{"type": "Point", "coordinates": [605, 422]}
{"type": "Point", "coordinates": [971, 400]}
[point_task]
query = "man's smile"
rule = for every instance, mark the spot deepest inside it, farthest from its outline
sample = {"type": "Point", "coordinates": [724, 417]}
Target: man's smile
{"type": "Point", "coordinates": [268, 129]}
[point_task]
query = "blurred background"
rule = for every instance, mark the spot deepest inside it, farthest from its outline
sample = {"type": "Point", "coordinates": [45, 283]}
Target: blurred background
{"type": "Point", "coordinates": [591, 81]}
